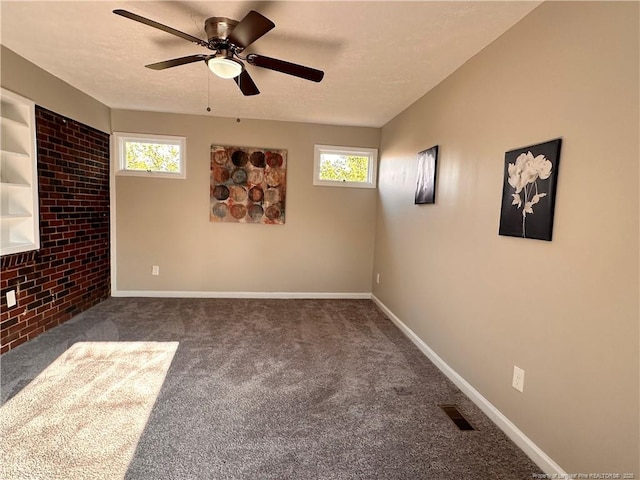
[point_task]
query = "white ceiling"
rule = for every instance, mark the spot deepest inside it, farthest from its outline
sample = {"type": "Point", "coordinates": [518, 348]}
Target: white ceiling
{"type": "Point", "coordinates": [378, 56]}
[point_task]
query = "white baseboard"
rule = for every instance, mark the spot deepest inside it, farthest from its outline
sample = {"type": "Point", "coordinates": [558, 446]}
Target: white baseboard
{"type": "Point", "coordinates": [546, 464]}
{"type": "Point", "coordinates": [205, 294]}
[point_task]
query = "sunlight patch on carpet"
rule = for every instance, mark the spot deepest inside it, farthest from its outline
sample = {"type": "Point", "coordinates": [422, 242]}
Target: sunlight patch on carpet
{"type": "Point", "coordinates": [82, 417]}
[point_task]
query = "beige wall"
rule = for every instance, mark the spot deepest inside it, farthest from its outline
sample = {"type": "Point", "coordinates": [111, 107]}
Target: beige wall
{"type": "Point", "coordinates": [325, 246]}
{"type": "Point", "coordinates": [565, 311]}
{"type": "Point", "coordinates": [30, 81]}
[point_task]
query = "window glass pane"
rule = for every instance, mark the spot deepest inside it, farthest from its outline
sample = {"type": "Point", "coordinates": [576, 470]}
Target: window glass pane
{"type": "Point", "coordinates": [344, 168]}
{"type": "Point", "coordinates": [154, 157]}
{"type": "Point", "coordinates": [351, 167]}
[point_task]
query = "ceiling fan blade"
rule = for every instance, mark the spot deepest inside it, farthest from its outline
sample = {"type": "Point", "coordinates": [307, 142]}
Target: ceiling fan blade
{"type": "Point", "coordinates": [162, 27]}
{"type": "Point", "coordinates": [250, 28]}
{"type": "Point", "coordinates": [176, 62]}
{"type": "Point", "coordinates": [245, 82]}
{"type": "Point", "coordinates": [301, 71]}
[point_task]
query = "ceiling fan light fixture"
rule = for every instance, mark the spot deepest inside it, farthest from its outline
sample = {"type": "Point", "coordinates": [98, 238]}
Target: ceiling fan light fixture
{"type": "Point", "coordinates": [224, 67]}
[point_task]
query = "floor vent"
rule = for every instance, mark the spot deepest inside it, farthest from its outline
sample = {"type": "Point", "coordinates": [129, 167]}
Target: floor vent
{"type": "Point", "coordinates": [402, 390]}
{"type": "Point", "coordinates": [456, 417]}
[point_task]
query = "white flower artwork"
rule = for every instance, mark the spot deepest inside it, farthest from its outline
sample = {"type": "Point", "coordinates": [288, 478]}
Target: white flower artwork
{"type": "Point", "coordinates": [529, 178]}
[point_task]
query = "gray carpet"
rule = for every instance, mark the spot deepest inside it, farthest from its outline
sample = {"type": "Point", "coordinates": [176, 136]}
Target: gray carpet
{"type": "Point", "coordinates": [82, 417]}
{"type": "Point", "coordinates": [285, 389]}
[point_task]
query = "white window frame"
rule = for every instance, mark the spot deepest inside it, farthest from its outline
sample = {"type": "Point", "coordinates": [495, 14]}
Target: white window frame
{"type": "Point", "coordinates": [370, 153]}
{"type": "Point", "coordinates": [121, 138]}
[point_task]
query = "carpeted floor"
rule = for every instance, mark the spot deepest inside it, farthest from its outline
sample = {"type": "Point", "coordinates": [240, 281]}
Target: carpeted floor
{"type": "Point", "coordinates": [284, 389]}
{"type": "Point", "coordinates": [82, 417]}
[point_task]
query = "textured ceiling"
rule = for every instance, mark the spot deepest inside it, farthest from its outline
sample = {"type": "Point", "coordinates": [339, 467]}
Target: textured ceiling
{"type": "Point", "coordinates": [378, 57]}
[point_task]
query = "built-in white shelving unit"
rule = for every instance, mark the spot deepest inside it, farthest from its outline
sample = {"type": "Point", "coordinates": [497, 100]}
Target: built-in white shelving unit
{"type": "Point", "coordinates": [19, 225]}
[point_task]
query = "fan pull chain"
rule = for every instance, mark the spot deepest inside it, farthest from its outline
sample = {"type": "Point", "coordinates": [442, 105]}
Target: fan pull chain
{"type": "Point", "coordinates": [208, 92]}
{"type": "Point", "coordinates": [238, 101]}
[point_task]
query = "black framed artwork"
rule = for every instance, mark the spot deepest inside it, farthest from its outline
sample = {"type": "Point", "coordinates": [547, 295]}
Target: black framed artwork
{"type": "Point", "coordinates": [426, 181]}
{"type": "Point", "coordinates": [529, 191]}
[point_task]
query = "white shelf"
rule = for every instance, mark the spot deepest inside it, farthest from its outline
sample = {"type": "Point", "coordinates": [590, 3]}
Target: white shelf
{"type": "Point", "coordinates": [16, 216]}
{"type": "Point", "coordinates": [19, 222]}
{"type": "Point", "coordinates": [16, 247]}
{"type": "Point", "coordinates": [12, 122]}
{"type": "Point", "coordinates": [14, 153]}
{"type": "Point", "coordinates": [14, 185]}
{"type": "Point", "coordinates": [9, 153]}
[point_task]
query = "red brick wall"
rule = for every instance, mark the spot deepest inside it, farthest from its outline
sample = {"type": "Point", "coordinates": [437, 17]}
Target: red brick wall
{"type": "Point", "coordinates": [71, 271]}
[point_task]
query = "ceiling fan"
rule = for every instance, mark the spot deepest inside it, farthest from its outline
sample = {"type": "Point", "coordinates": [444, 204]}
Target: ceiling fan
{"type": "Point", "coordinates": [228, 39]}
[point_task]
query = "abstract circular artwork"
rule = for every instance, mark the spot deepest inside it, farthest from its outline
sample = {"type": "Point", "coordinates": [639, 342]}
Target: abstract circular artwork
{"type": "Point", "coordinates": [248, 185]}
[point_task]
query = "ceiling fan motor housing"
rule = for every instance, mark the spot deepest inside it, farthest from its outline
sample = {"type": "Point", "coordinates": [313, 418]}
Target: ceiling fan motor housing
{"type": "Point", "coordinates": [218, 29]}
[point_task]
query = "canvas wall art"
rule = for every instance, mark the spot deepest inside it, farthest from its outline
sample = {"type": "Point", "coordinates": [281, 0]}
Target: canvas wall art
{"type": "Point", "coordinates": [426, 182]}
{"type": "Point", "coordinates": [529, 191]}
{"type": "Point", "coordinates": [248, 185]}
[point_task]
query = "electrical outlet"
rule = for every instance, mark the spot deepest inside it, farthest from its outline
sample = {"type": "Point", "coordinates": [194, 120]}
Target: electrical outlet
{"type": "Point", "coordinates": [377, 278]}
{"type": "Point", "coordinates": [11, 299]}
{"type": "Point", "coordinates": [155, 270]}
{"type": "Point", "coordinates": [518, 379]}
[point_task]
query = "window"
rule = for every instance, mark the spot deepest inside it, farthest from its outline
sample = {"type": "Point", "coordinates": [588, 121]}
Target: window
{"type": "Point", "coordinates": [151, 155]}
{"type": "Point", "coordinates": [345, 166]}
